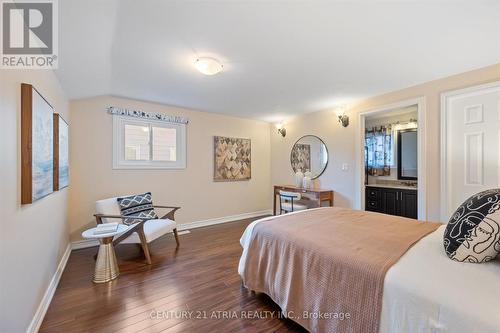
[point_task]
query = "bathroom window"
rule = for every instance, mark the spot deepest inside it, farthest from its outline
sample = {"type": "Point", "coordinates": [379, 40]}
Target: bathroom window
{"type": "Point", "coordinates": [379, 151]}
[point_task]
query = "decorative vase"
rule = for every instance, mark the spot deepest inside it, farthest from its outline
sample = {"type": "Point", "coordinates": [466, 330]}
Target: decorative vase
{"type": "Point", "coordinates": [307, 182]}
{"type": "Point", "coordinates": [299, 176]}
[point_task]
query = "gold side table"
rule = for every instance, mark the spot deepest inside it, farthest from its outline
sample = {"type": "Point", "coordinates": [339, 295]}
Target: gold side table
{"type": "Point", "coordinates": [106, 266]}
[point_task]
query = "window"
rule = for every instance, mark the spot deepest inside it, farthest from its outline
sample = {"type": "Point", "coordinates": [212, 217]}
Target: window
{"type": "Point", "coordinates": [379, 151]}
{"type": "Point", "coordinates": [148, 144]}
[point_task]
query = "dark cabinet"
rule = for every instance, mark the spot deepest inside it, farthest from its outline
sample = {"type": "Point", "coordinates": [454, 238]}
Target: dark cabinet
{"type": "Point", "coordinates": [392, 201]}
{"type": "Point", "coordinates": [408, 204]}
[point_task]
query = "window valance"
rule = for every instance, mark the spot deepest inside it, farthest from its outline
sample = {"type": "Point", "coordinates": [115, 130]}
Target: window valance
{"type": "Point", "coordinates": [147, 115]}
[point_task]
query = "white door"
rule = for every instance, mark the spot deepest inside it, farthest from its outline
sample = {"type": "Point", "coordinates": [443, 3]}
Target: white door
{"type": "Point", "coordinates": [471, 143]}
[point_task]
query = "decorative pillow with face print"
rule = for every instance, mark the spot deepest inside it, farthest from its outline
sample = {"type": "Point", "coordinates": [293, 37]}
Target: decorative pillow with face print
{"type": "Point", "coordinates": [473, 233]}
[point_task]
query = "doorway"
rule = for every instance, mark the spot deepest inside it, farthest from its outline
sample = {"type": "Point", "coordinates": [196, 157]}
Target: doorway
{"type": "Point", "coordinates": [389, 173]}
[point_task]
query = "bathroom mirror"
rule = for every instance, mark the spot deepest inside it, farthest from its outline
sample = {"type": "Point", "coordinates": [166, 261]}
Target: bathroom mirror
{"type": "Point", "coordinates": [407, 154]}
{"type": "Point", "coordinates": [309, 153]}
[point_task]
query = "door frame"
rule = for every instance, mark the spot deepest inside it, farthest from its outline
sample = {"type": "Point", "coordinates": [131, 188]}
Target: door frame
{"type": "Point", "coordinates": [446, 99]}
{"type": "Point", "coordinates": [420, 102]}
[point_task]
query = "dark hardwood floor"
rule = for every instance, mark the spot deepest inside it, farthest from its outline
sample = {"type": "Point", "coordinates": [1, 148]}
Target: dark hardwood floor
{"type": "Point", "coordinates": [200, 276]}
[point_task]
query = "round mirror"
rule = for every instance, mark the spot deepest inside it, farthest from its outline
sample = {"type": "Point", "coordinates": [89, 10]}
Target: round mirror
{"type": "Point", "coordinates": [309, 153]}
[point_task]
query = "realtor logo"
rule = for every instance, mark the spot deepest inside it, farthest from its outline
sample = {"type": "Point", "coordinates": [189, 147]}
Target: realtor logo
{"type": "Point", "coordinates": [29, 34]}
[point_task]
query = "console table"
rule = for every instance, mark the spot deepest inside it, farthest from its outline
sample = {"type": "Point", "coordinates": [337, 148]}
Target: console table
{"type": "Point", "coordinates": [316, 195]}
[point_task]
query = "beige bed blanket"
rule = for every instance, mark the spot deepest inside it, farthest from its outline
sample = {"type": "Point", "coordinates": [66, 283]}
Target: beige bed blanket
{"type": "Point", "coordinates": [325, 267]}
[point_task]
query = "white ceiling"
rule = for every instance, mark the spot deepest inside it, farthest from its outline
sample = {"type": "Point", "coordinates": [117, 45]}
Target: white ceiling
{"type": "Point", "coordinates": [280, 58]}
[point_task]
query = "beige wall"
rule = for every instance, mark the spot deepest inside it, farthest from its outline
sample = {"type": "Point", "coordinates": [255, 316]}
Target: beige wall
{"type": "Point", "coordinates": [92, 177]}
{"type": "Point", "coordinates": [32, 237]}
{"type": "Point", "coordinates": [341, 141]}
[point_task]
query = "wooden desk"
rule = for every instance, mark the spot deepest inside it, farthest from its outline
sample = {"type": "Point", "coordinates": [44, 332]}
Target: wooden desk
{"type": "Point", "coordinates": [315, 194]}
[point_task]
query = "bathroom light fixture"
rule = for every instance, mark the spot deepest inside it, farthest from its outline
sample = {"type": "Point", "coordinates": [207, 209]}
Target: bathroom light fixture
{"type": "Point", "coordinates": [343, 118]}
{"type": "Point", "coordinates": [281, 129]}
{"type": "Point", "coordinates": [208, 66]}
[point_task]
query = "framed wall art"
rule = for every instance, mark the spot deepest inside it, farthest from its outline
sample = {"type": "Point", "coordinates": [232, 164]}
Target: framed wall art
{"type": "Point", "coordinates": [61, 153]}
{"type": "Point", "coordinates": [300, 158]}
{"type": "Point", "coordinates": [37, 158]}
{"type": "Point", "coordinates": [232, 159]}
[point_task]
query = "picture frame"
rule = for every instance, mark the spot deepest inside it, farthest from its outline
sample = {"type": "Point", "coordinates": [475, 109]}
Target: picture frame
{"type": "Point", "coordinates": [61, 153]}
{"type": "Point", "coordinates": [36, 145]}
{"type": "Point", "coordinates": [232, 159]}
{"type": "Point", "coordinates": [300, 157]}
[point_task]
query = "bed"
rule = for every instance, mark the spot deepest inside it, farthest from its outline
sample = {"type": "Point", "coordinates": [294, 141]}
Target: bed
{"type": "Point", "coordinates": [422, 291]}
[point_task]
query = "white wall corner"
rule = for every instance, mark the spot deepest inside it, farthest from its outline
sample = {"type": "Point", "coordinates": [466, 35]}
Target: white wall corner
{"type": "Point", "coordinates": [37, 320]}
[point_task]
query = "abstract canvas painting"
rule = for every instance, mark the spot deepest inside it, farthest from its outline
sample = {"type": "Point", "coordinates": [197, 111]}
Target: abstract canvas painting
{"type": "Point", "coordinates": [232, 159]}
{"type": "Point", "coordinates": [61, 153]}
{"type": "Point", "coordinates": [301, 157]}
{"type": "Point", "coordinates": [36, 145]}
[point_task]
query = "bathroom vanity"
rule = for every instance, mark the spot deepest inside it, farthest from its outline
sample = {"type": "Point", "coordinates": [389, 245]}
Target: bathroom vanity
{"type": "Point", "coordinates": [392, 199]}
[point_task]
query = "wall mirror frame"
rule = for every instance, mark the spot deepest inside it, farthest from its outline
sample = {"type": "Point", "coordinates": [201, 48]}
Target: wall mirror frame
{"type": "Point", "coordinates": [410, 136]}
{"type": "Point", "coordinates": [309, 153]}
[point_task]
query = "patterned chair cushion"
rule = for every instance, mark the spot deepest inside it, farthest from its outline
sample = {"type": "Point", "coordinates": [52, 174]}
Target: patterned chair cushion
{"type": "Point", "coordinates": [473, 233]}
{"type": "Point", "coordinates": [140, 205]}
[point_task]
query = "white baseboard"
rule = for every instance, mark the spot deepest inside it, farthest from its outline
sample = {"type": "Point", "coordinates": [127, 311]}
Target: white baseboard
{"type": "Point", "coordinates": [85, 243]}
{"type": "Point", "coordinates": [49, 293]}
{"type": "Point", "coordinates": [225, 219]}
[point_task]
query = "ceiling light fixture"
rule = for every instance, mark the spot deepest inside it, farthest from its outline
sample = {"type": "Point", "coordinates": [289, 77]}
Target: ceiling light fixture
{"type": "Point", "coordinates": [208, 66]}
